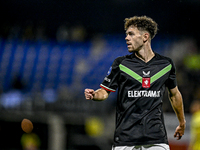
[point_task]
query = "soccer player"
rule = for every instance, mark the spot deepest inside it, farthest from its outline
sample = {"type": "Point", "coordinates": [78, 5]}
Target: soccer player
{"type": "Point", "coordinates": [141, 78]}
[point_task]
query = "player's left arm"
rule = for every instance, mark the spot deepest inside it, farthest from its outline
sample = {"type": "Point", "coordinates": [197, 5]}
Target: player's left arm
{"type": "Point", "coordinates": [177, 104]}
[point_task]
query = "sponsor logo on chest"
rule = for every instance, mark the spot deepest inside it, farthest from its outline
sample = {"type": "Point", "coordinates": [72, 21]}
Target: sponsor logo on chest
{"type": "Point", "coordinates": [144, 93]}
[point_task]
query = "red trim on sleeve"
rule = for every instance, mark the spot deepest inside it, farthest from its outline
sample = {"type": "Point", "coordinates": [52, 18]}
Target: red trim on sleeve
{"type": "Point", "coordinates": [107, 89]}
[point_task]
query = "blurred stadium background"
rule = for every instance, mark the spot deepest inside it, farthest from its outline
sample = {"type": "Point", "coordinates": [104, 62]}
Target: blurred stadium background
{"type": "Point", "coordinates": [50, 51]}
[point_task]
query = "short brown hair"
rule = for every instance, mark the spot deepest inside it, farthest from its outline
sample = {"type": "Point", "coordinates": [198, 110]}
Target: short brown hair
{"type": "Point", "coordinates": [142, 23]}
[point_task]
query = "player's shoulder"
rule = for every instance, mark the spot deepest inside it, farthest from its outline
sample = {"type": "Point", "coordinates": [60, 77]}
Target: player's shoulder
{"type": "Point", "coordinates": [162, 57]}
{"type": "Point", "coordinates": [119, 59]}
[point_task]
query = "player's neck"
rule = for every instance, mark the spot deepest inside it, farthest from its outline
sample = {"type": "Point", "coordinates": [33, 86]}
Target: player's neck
{"type": "Point", "coordinates": [145, 54]}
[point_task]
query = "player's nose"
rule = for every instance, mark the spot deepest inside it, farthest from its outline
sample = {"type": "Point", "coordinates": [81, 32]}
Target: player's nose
{"type": "Point", "coordinates": [127, 38]}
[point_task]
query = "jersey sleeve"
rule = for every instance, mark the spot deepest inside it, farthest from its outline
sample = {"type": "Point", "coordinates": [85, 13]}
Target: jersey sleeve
{"type": "Point", "coordinates": [171, 81]}
{"type": "Point", "coordinates": [110, 82]}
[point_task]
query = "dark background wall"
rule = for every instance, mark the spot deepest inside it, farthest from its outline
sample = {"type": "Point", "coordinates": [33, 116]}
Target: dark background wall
{"type": "Point", "coordinates": [173, 16]}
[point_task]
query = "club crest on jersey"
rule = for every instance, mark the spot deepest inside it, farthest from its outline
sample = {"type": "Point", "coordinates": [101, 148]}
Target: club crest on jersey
{"type": "Point", "coordinates": [146, 79]}
{"type": "Point", "coordinates": [146, 82]}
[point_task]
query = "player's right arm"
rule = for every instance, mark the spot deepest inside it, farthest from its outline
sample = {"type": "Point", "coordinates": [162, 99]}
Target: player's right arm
{"type": "Point", "coordinates": [98, 95]}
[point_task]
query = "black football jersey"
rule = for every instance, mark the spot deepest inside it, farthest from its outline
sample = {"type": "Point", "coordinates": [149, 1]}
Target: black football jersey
{"type": "Point", "coordinates": [141, 86]}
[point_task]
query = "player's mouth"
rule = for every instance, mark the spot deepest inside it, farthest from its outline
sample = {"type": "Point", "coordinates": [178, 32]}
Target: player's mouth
{"type": "Point", "coordinates": [129, 44]}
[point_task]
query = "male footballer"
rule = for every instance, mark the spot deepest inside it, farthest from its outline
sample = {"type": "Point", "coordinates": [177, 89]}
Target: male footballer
{"type": "Point", "coordinates": [141, 79]}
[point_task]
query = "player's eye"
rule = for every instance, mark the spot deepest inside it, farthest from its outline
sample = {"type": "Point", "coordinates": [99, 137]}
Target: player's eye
{"type": "Point", "coordinates": [130, 33]}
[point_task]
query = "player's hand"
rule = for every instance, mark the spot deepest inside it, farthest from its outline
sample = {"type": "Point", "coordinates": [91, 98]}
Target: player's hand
{"type": "Point", "coordinates": [179, 132]}
{"type": "Point", "coordinates": [89, 94]}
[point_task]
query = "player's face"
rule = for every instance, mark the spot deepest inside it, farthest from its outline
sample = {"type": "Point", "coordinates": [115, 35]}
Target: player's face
{"type": "Point", "coordinates": [134, 39]}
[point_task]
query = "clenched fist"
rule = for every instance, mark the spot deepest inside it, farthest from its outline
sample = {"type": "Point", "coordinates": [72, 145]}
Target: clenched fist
{"type": "Point", "coordinates": [89, 94]}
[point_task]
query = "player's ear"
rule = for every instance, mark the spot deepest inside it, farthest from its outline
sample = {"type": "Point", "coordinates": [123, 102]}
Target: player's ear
{"type": "Point", "coordinates": [146, 36]}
